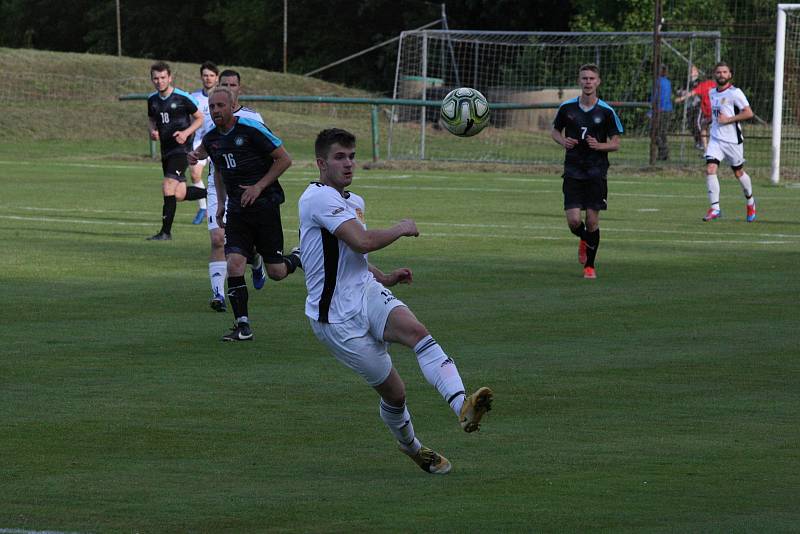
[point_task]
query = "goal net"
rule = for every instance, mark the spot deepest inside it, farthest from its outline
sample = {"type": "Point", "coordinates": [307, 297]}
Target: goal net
{"type": "Point", "coordinates": [786, 107]}
{"type": "Point", "coordinates": [536, 71]}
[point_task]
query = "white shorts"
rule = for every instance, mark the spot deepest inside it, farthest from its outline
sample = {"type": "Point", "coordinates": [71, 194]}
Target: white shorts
{"type": "Point", "coordinates": [358, 342]}
{"type": "Point", "coordinates": [211, 201]}
{"type": "Point", "coordinates": [196, 143]}
{"type": "Point", "coordinates": [722, 151]}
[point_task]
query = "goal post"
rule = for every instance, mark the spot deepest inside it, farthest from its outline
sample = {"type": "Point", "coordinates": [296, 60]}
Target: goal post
{"type": "Point", "coordinates": [534, 72]}
{"type": "Point", "coordinates": [788, 14]}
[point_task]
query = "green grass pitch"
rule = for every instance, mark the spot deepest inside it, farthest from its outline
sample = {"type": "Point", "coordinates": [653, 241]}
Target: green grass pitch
{"type": "Point", "coordinates": [663, 396]}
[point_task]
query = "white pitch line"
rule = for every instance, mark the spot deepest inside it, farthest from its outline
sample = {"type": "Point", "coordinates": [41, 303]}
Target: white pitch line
{"type": "Point", "coordinates": [525, 236]}
{"type": "Point", "coordinates": [496, 226]}
{"type": "Point", "coordinates": [605, 229]}
{"type": "Point", "coordinates": [73, 221]}
{"type": "Point", "coordinates": [623, 240]}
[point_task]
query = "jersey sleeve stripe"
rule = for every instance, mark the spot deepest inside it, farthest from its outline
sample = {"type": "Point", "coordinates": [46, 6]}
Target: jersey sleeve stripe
{"type": "Point", "coordinates": [570, 101]}
{"type": "Point", "coordinates": [614, 113]}
{"type": "Point", "coordinates": [187, 95]}
{"type": "Point", "coordinates": [263, 129]}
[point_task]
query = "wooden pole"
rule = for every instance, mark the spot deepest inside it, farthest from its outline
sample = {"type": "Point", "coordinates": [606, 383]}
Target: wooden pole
{"type": "Point", "coordinates": [119, 32]}
{"type": "Point", "coordinates": [285, 35]}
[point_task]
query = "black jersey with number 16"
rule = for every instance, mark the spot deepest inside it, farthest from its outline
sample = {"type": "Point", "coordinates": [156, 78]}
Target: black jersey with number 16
{"type": "Point", "coordinates": [243, 156]}
{"type": "Point", "coordinates": [600, 122]}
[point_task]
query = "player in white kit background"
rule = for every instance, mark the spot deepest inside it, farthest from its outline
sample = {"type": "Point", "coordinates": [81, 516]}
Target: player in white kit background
{"type": "Point", "coordinates": [217, 266]}
{"type": "Point", "coordinates": [208, 76]}
{"type": "Point", "coordinates": [729, 107]}
{"type": "Point", "coordinates": [354, 314]}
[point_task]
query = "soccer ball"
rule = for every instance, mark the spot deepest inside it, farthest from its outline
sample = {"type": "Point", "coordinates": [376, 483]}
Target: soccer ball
{"type": "Point", "coordinates": [465, 112]}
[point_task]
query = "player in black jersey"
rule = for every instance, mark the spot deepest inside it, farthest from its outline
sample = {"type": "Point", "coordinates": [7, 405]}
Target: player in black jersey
{"type": "Point", "coordinates": [248, 160]}
{"type": "Point", "coordinates": [588, 129]}
{"type": "Point", "coordinates": [173, 117]}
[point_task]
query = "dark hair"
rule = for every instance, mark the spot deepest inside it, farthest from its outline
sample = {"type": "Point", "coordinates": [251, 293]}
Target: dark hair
{"type": "Point", "coordinates": [208, 65]}
{"type": "Point", "coordinates": [327, 138]}
{"type": "Point", "coordinates": [228, 73]}
{"type": "Point", "coordinates": [722, 64]}
{"type": "Point", "coordinates": [160, 66]}
{"type": "Point", "coordinates": [589, 66]}
{"type": "Point", "coordinates": [663, 70]}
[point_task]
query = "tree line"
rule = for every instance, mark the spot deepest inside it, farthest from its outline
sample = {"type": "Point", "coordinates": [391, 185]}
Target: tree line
{"type": "Point", "coordinates": [250, 32]}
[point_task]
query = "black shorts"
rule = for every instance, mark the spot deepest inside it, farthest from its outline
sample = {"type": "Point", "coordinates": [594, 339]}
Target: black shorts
{"type": "Point", "coordinates": [585, 194]}
{"type": "Point", "coordinates": [174, 166]}
{"type": "Point", "coordinates": [259, 227]}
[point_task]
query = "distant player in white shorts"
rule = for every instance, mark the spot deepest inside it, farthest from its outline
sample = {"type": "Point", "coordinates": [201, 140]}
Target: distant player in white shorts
{"type": "Point", "coordinates": [208, 76]}
{"type": "Point", "coordinates": [354, 314]}
{"type": "Point", "coordinates": [729, 107]}
{"type": "Point", "coordinates": [217, 265]}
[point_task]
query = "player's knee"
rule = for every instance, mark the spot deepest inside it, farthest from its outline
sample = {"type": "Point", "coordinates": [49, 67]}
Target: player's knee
{"type": "Point", "coordinates": [396, 396]}
{"type": "Point", "coordinates": [217, 242]}
{"type": "Point", "coordinates": [276, 271]}
{"type": "Point", "coordinates": [417, 332]}
{"type": "Point", "coordinates": [236, 264]}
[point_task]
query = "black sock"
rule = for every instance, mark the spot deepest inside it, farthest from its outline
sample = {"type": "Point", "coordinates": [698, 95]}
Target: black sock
{"type": "Point", "coordinates": [580, 231]}
{"type": "Point", "coordinates": [195, 193]}
{"type": "Point", "coordinates": [237, 295]}
{"type": "Point", "coordinates": [168, 214]}
{"type": "Point", "coordinates": [292, 262]}
{"type": "Point", "coordinates": [592, 244]}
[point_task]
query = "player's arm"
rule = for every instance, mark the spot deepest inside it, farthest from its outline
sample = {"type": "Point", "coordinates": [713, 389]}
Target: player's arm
{"type": "Point", "coordinates": [563, 140]}
{"type": "Point", "coordinates": [197, 154]}
{"type": "Point", "coordinates": [197, 121]}
{"type": "Point", "coordinates": [153, 128]}
{"type": "Point", "coordinates": [398, 276]}
{"type": "Point", "coordinates": [281, 160]}
{"type": "Point", "coordinates": [364, 241]}
{"type": "Point", "coordinates": [612, 145]}
{"type": "Point", "coordinates": [743, 115]}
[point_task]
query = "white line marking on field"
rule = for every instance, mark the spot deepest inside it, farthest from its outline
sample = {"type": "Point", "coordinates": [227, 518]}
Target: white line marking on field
{"type": "Point", "coordinates": [710, 233]}
{"type": "Point", "coordinates": [605, 229]}
{"type": "Point", "coordinates": [648, 210]}
{"type": "Point", "coordinates": [74, 221]}
{"type": "Point", "coordinates": [75, 210]}
{"type": "Point", "coordinates": [23, 531]}
{"type": "Point", "coordinates": [711, 238]}
{"type": "Point", "coordinates": [528, 237]}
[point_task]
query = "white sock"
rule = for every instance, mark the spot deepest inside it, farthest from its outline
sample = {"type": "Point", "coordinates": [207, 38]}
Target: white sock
{"type": "Point", "coordinates": [441, 372]}
{"type": "Point", "coordinates": [713, 190]}
{"type": "Point", "coordinates": [217, 273]}
{"type": "Point", "coordinates": [201, 203]}
{"type": "Point", "coordinates": [398, 420]}
{"type": "Point", "coordinates": [747, 188]}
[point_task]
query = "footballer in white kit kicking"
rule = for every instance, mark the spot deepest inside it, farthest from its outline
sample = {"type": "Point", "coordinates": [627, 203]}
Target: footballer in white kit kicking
{"type": "Point", "coordinates": [353, 313]}
{"type": "Point", "coordinates": [217, 266]}
{"type": "Point", "coordinates": [729, 107]}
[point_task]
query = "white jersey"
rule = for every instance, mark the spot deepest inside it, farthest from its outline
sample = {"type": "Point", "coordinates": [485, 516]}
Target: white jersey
{"type": "Point", "coordinates": [728, 102]}
{"type": "Point", "coordinates": [336, 275]}
{"type": "Point", "coordinates": [202, 104]}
